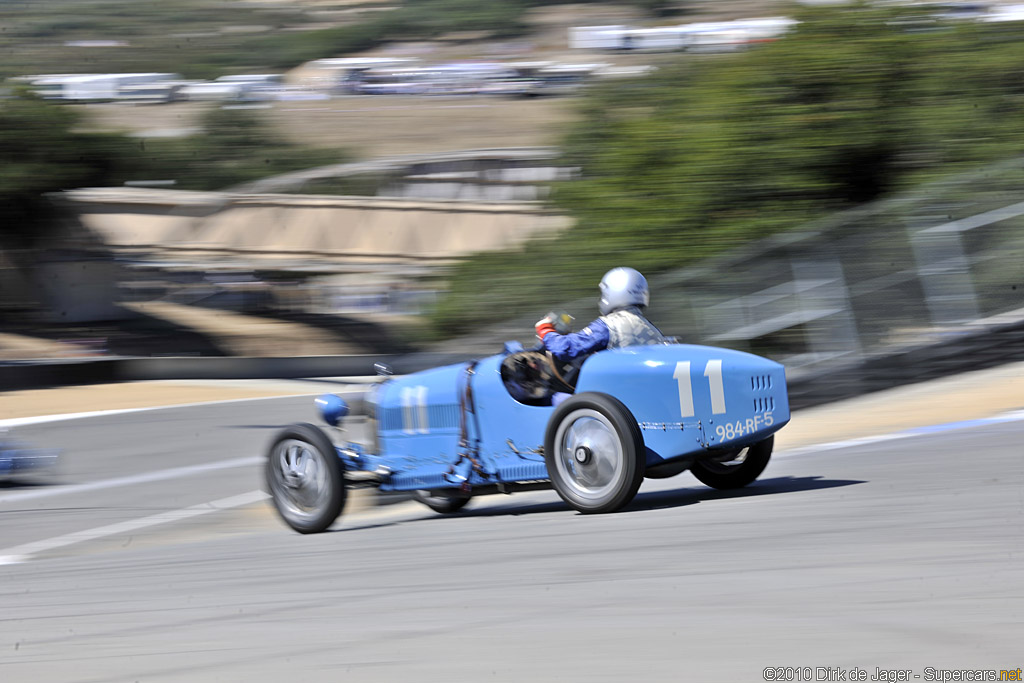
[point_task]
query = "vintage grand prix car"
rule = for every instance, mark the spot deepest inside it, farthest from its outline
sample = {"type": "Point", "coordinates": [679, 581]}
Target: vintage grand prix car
{"type": "Point", "coordinates": [18, 458]}
{"type": "Point", "coordinates": [519, 421]}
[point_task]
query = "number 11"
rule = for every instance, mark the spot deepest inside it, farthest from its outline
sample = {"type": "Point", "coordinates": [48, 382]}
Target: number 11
{"type": "Point", "coordinates": [713, 371]}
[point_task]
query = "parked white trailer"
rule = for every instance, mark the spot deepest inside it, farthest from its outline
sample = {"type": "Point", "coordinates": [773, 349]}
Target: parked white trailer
{"type": "Point", "coordinates": [661, 39]}
{"type": "Point", "coordinates": [597, 37]}
{"type": "Point", "coordinates": [1005, 13]}
{"type": "Point", "coordinates": [153, 93]}
{"type": "Point", "coordinates": [75, 88]}
{"type": "Point", "coordinates": [765, 28]}
{"type": "Point", "coordinates": [261, 79]}
{"type": "Point", "coordinates": [213, 90]}
{"type": "Point", "coordinates": [698, 36]}
{"type": "Point", "coordinates": [734, 35]}
{"type": "Point", "coordinates": [92, 87]}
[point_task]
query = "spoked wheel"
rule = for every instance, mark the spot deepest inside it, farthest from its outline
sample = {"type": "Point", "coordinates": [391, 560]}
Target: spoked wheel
{"type": "Point", "coordinates": [441, 503]}
{"type": "Point", "coordinates": [305, 478]}
{"type": "Point", "coordinates": [736, 469]}
{"type": "Point", "coordinates": [594, 453]}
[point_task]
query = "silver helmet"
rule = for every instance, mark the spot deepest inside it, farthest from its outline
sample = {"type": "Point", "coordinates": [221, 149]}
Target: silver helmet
{"type": "Point", "coordinates": [621, 287]}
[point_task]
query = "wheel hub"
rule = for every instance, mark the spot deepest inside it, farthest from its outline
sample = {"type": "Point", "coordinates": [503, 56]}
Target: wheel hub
{"type": "Point", "coordinates": [302, 479]}
{"type": "Point", "coordinates": [295, 471]}
{"type": "Point", "coordinates": [589, 456]}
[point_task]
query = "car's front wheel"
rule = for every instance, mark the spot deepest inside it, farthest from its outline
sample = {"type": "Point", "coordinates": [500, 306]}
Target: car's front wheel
{"type": "Point", "coordinates": [735, 469]}
{"type": "Point", "coordinates": [306, 478]}
{"type": "Point", "coordinates": [594, 453]}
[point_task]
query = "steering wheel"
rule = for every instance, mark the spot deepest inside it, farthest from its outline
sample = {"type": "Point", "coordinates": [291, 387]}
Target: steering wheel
{"type": "Point", "coordinates": [565, 374]}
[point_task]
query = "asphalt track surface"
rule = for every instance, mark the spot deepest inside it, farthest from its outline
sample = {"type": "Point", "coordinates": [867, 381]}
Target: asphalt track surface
{"type": "Point", "coordinates": [895, 555]}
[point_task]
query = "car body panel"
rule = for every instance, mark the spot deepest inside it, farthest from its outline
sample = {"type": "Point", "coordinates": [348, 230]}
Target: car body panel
{"type": "Point", "coordinates": [511, 433]}
{"type": "Point", "coordinates": [418, 426]}
{"type": "Point", "coordinates": [691, 398]}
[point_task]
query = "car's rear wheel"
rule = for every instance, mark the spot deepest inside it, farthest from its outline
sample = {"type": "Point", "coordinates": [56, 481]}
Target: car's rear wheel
{"type": "Point", "coordinates": [736, 469]}
{"type": "Point", "coordinates": [594, 453]}
{"type": "Point", "coordinates": [441, 503]}
{"type": "Point", "coordinates": [306, 478]}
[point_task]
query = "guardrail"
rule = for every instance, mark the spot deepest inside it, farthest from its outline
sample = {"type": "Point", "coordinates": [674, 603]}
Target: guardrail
{"type": "Point", "coordinates": [468, 160]}
{"type": "Point", "coordinates": [986, 346]}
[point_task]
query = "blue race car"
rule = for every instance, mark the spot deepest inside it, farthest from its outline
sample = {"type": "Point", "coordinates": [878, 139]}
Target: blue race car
{"type": "Point", "coordinates": [520, 420]}
{"type": "Point", "coordinates": [18, 459]}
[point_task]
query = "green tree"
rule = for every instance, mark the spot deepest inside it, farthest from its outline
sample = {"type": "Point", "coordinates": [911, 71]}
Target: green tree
{"type": "Point", "coordinates": [857, 103]}
{"type": "Point", "coordinates": [41, 153]}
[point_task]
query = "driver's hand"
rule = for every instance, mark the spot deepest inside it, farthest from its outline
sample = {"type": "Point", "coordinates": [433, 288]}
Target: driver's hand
{"type": "Point", "coordinates": [544, 327]}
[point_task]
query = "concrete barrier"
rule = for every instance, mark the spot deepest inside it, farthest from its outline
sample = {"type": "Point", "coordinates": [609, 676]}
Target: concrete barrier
{"type": "Point", "coordinates": [19, 375]}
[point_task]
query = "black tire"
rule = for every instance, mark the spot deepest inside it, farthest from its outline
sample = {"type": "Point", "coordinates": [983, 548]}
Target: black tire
{"type": "Point", "coordinates": [441, 503]}
{"type": "Point", "coordinates": [594, 453]}
{"type": "Point", "coordinates": [747, 465]}
{"type": "Point", "coordinates": [668, 469]}
{"type": "Point", "coordinates": [306, 478]}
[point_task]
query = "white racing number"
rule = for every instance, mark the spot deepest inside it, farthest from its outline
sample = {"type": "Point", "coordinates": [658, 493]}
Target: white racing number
{"type": "Point", "coordinates": [713, 371]}
{"type": "Point", "coordinates": [716, 386]}
{"type": "Point", "coordinates": [682, 377]}
{"type": "Point", "coordinates": [414, 410]}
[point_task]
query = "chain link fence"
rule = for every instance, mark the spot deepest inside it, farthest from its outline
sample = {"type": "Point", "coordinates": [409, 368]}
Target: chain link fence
{"type": "Point", "coordinates": [917, 270]}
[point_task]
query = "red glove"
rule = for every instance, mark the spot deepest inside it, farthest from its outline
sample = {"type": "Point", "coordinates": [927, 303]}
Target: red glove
{"type": "Point", "coordinates": [544, 327]}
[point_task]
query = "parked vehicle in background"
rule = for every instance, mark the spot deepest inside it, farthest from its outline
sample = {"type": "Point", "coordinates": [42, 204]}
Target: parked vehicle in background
{"type": "Point", "coordinates": [161, 92]}
{"type": "Point", "coordinates": [93, 87]}
{"type": "Point", "coordinates": [696, 36]}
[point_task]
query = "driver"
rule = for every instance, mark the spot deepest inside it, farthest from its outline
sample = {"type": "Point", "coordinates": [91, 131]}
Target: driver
{"type": "Point", "coordinates": [624, 294]}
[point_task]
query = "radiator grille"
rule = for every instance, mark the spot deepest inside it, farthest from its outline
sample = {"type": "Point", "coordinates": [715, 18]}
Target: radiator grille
{"type": "Point", "coordinates": [764, 405]}
{"type": "Point", "coordinates": [443, 416]}
{"type": "Point", "coordinates": [440, 416]}
{"type": "Point", "coordinates": [760, 382]}
{"type": "Point", "coordinates": [390, 418]}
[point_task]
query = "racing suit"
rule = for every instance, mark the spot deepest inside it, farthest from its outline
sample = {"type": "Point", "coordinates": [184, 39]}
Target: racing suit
{"type": "Point", "coordinates": [623, 327]}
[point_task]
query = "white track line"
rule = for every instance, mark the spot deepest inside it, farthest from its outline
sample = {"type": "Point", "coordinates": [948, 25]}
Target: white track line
{"type": "Point", "coordinates": [158, 475]}
{"type": "Point", "coordinates": [24, 552]}
{"type": "Point", "coordinates": [42, 419]}
{"type": "Point", "coordinates": [928, 430]}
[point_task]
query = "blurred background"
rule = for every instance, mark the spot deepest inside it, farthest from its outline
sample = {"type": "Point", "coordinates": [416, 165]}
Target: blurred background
{"type": "Point", "coordinates": [818, 182]}
{"type": "Point", "coordinates": [213, 210]}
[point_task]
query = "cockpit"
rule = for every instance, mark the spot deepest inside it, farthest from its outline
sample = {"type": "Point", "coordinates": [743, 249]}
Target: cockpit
{"type": "Point", "coordinates": [536, 378]}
